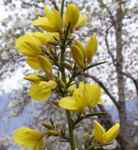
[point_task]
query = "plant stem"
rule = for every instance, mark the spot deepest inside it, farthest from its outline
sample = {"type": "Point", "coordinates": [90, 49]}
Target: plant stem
{"type": "Point", "coordinates": [86, 117]}
{"type": "Point", "coordinates": [63, 48]}
{"type": "Point", "coordinates": [70, 128]}
{"type": "Point", "coordinates": [62, 7]}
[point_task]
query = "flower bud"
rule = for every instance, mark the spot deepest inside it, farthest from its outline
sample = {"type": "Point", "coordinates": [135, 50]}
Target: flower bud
{"type": "Point", "coordinates": [91, 48]}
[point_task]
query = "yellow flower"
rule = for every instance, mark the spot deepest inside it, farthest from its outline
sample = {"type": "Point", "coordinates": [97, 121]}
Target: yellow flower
{"type": "Point", "coordinates": [81, 22]}
{"type": "Point", "coordinates": [78, 54]}
{"type": "Point", "coordinates": [105, 137]}
{"type": "Point", "coordinates": [92, 94]}
{"type": "Point", "coordinates": [46, 65]}
{"type": "Point", "coordinates": [31, 44]}
{"type": "Point", "coordinates": [91, 48]}
{"type": "Point", "coordinates": [42, 90]}
{"type": "Point", "coordinates": [47, 38]}
{"type": "Point", "coordinates": [28, 45]}
{"type": "Point", "coordinates": [33, 78]}
{"type": "Point", "coordinates": [84, 54]}
{"type": "Point", "coordinates": [52, 21]}
{"type": "Point", "coordinates": [87, 95]}
{"type": "Point", "coordinates": [41, 62]}
{"type": "Point", "coordinates": [33, 62]}
{"type": "Point", "coordinates": [28, 138]}
{"type": "Point", "coordinates": [71, 16]}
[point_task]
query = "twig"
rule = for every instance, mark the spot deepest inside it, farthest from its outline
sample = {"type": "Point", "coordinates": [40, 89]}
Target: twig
{"type": "Point", "coordinates": [75, 74]}
{"type": "Point", "coordinates": [135, 81]}
{"type": "Point", "coordinates": [62, 7]}
{"type": "Point", "coordinates": [102, 4]}
{"type": "Point", "coordinates": [107, 44]}
{"type": "Point", "coordinates": [80, 118]}
{"type": "Point", "coordinates": [54, 4]}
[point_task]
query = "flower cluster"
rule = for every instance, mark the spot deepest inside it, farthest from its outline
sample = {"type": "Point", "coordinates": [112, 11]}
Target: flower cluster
{"type": "Point", "coordinates": [87, 95]}
{"type": "Point", "coordinates": [59, 59]}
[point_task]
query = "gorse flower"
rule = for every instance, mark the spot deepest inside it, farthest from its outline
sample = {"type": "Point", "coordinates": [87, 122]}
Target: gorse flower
{"type": "Point", "coordinates": [41, 90]}
{"type": "Point", "coordinates": [28, 138]}
{"type": "Point", "coordinates": [58, 59]}
{"type": "Point", "coordinates": [81, 22]}
{"type": "Point", "coordinates": [31, 44]}
{"type": "Point", "coordinates": [73, 18]}
{"type": "Point", "coordinates": [83, 55]}
{"type": "Point", "coordinates": [46, 65]}
{"type": "Point", "coordinates": [105, 137]}
{"type": "Point", "coordinates": [91, 48]}
{"type": "Point", "coordinates": [51, 22]}
{"type": "Point", "coordinates": [87, 95]}
{"type": "Point", "coordinates": [33, 78]}
{"type": "Point", "coordinates": [28, 45]}
{"type": "Point", "coordinates": [78, 53]}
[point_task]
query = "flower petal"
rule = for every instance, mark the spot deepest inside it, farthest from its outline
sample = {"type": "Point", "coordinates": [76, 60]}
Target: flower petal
{"type": "Point", "coordinates": [28, 138]}
{"type": "Point", "coordinates": [112, 133]}
{"type": "Point", "coordinates": [28, 45]}
{"type": "Point", "coordinates": [93, 94]}
{"type": "Point", "coordinates": [46, 65]}
{"type": "Point", "coordinates": [71, 15]}
{"type": "Point", "coordinates": [81, 22]}
{"type": "Point", "coordinates": [98, 132]}
{"type": "Point", "coordinates": [68, 103]}
{"type": "Point", "coordinates": [33, 62]}
{"type": "Point", "coordinates": [91, 48]}
{"type": "Point", "coordinates": [41, 90]}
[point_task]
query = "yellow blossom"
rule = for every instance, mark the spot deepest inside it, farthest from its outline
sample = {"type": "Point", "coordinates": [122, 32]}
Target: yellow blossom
{"type": "Point", "coordinates": [40, 62]}
{"type": "Point", "coordinates": [87, 95]}
{"type": "Point", "coordinates": [46, 65]}
{"type": "Point", "coordinates": [31, 44]}
{"type": "Point", "coordinates": [105, 137]}
{"type": "Point", "coordinates": [78, 54]}
{"type": "Point", "coordinates": [71, 16]}
{"type": "Point", "coordinates": [81, 21]}
{"type": "Point", "coordinates": [47, 38]}
{"type": "Point", "coordinates": [91, 48]}
{"type": "Point", "coordinates": [52, 21]}
{"type": "Point", "coordinates": [84, 54]}
{"type": "Point", "coordinates": [33, 78]}
{"type": "Point", "coordinates": [28, 138]}
{"type": "Point", "coordinates": [42, 90]}
{"type": "Point", "coordinates": [28, 45]}
{"type": "Point", "coordinates": [33, 62]}
{"type": "Point", "coordinates": [92, 94]}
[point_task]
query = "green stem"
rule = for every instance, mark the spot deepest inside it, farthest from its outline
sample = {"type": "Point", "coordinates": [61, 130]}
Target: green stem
{"type": "Point", "coordinates": [71, 132]}
{"type": "Point", "coordinates": [62, 7]}
{"type": "Point", "coordinates": [63, 48]}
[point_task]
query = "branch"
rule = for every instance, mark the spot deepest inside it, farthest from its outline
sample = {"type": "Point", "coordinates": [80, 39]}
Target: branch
{"type": "Point", "coordinates": [35, 5]}
{"type": "Point", "coordinates": [54, 4]}
{"type": "Point", "coordinates": [75, 74]}
{"type": "Point", "coordinates": [107, 45]}
{"type": "Point", "coordinates": [102, 4]}
{"type": "Point", "coordinates": [80, 118]}
{"type": "Point", "coordinates": [94, 65]}
{"type": "Point", "coordinates": [135, 81]}
{"type": "Point", "coordinates": [104, 88]}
